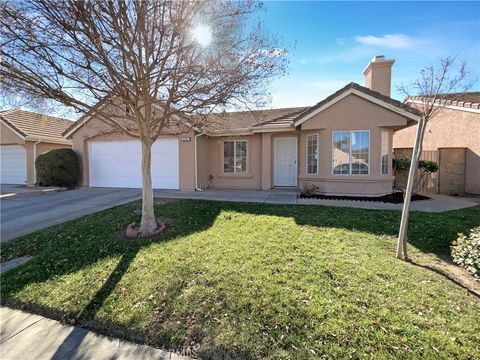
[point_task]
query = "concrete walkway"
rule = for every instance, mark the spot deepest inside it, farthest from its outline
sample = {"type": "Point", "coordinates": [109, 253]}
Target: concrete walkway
{"type": "Point", "coordinates": [277, 196]}
{"type": "Point", "coordinates": [437, 203]}
{"type": "Point", "coordinates": [26, 336]}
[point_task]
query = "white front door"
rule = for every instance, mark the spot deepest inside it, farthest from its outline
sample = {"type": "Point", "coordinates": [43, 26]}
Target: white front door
{"type": "Point", "coordinates": [285, 162]}
{"type": "Point", "coordinates": [13, 164]}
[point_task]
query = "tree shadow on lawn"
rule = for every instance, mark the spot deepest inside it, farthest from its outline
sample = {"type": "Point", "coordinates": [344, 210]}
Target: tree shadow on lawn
{"type": "Point", "coordinates": [73, 246]}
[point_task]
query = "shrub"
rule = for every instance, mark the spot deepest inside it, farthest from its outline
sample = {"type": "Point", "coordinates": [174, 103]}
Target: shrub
{"type": "Point", "coordinates": [424, 165]}
{"type": "Point", "coordinates": [466, 251]}
{"type": "Point", "coordinates": [428, 166]}
{"type": "Point", "coordinates": [59, 167]}
{"type": "Point", "coordinates": [308, 190]}
{"type": "Point", "coordinates": [401, 164]}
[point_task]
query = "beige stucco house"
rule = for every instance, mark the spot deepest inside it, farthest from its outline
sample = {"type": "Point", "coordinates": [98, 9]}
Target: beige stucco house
{"type": "Point", "coordinates": [24, 135]}
{"type": "Point", "coordinates": [453, 137]}
{"type": "Point", "coordinates": [343, 145]}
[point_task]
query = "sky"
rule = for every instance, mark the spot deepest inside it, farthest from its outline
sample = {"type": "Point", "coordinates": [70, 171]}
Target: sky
{"type": "Point", "coordinates": [334, 41]}
{"type": "Point", "coordinates": [330, 43]}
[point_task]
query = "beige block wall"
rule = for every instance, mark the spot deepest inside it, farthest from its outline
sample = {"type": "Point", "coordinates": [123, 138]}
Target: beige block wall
{"type": "Point", "coordinates": [451, 176]}
{"type": "Point", "coordinates": [451, 128]}
{"type": "Point", "coordinates": [96, 130]}
{"type": "Point", "coordinates": [452, 171]}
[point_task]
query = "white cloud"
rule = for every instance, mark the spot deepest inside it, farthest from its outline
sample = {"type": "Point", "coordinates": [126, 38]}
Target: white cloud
{"type": "Point", "coordinates": [303, 62]}
{"type": "Point", "coordinates": [392, 41]}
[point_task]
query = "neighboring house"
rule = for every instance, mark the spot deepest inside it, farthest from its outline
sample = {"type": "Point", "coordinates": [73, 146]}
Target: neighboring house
{"type": "Point", "coordinates": [452, 138]}
{"type": "Point", "coordinates": [343, 145]}
{"type": "Point", "coordinates": [24, 136]}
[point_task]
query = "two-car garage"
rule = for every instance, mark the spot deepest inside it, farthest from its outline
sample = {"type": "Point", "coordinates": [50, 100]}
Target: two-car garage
{"type": "Point", "coordinates": [118, 163]}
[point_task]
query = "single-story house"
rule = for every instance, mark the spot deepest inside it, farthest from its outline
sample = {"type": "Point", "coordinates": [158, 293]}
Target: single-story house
{"type": "Point", "coordinates": [452, 138]}
{"type": "Point", "coordinates": [343, 145]}
{"type": "Point", "coordinates": [24, 136]}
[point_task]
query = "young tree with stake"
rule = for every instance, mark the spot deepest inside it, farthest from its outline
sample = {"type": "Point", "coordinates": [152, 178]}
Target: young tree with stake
{"type": "Point", "coordinates": [185, 57]}
{"type": "Point", "coordinates": [433, 87]}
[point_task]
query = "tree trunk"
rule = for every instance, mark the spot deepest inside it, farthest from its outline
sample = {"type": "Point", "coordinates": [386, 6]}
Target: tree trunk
{"type": "Point", "coordinates": [148, 223]}
{"type": "Point", "coordinates": [417, 151]}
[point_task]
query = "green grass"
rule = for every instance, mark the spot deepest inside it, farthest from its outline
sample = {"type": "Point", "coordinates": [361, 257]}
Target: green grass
{"type": "Point", "coordinates": [254, 281]}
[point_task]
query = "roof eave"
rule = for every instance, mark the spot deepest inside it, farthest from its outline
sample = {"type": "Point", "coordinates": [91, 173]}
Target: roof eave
{"type": "Point", "coordinates": [273, 128]}
{"type": "Point", "coordinates": [452, 107]}
{"type": "Point", "coordinates": [48, 139]}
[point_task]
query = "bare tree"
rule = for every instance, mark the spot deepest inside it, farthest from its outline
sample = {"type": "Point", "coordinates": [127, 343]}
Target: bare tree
{"type": "Point", "coordinates": [183, 57]}
{"type": "Point", "coordinates": [433, 89]}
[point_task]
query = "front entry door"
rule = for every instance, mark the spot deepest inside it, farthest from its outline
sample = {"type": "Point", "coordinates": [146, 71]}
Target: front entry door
{"type": "Point", "coordinates": [285, 162]}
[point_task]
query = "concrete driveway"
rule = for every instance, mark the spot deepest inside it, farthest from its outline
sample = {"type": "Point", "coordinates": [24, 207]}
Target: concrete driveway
{"type": "Point", "coordinates": [23, 215]}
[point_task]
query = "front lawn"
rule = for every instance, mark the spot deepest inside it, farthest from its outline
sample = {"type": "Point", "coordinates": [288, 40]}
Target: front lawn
{"type": "Point", "coordinates": [254, 281]}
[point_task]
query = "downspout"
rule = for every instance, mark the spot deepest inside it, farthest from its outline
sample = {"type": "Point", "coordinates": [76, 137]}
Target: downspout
{"type": "Point", "coordinates": [34, 160]}
{"type": "Point", "coordinates": [195, 162]}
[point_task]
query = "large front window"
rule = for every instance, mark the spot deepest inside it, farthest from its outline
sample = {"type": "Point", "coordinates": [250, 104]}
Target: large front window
{"type": "Point", "coordinates": [312, 154]}
{"type": "Point", "coordinates": [351, 152]}
{"type": "Point", "coordinates": [235, 157]}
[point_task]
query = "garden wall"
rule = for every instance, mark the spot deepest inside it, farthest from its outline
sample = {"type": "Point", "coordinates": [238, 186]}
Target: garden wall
{"type": "Point", "coordinates": [450, 178]}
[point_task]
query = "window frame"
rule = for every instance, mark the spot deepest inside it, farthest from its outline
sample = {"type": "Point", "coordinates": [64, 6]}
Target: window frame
{"type": "Point", "coordinates": [235, 172]}
{"type": "Point", "coordinates": [316, 135]}
{"type": "Point", "coordinates": [350, 152]}
{"type": "Point", "coordinates": [382, 132]}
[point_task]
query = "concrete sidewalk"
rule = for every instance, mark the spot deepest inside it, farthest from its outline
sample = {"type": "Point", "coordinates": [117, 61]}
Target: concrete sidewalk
{"type": "Point", "coordinates": [437, 203]}
{"type": "Point", "coordinates": [26, 336]}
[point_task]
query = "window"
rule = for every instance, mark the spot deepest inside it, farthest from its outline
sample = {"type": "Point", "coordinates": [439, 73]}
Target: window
{"type": "Point", "coordinates": [235, 157]}
{"type": "Point", "coordinates": [385, 150]}
{"type": "Point", "coordinates": [351, 152]}
{"type": "Point", "coordinates": [312, 154]}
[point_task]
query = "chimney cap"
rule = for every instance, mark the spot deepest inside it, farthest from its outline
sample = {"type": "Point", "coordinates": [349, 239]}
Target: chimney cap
{"type": "Point", "coordinates": [378, 59]}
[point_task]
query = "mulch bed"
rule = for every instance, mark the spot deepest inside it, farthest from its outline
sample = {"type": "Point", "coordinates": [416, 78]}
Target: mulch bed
{"type": "Point", "coordinates": [393, 198]}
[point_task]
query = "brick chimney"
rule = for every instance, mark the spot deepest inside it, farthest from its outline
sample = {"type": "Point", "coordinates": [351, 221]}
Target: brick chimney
{"type": "Point", "coordinates": [378, 75]}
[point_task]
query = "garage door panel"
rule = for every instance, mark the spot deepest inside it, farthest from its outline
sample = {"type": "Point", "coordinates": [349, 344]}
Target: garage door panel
{"type": "Point", "coordinates": [118, 164]}
{"type": "Point", "coordinates": [13, 164]}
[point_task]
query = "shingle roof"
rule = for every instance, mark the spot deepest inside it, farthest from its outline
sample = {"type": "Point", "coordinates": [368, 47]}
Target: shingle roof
{"type": "Point", "coordinates": [35, 125]}
{"type": "Point", "coordinates": [463, 99]}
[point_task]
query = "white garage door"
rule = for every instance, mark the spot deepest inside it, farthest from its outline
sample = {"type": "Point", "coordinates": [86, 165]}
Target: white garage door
{"type": "Point", "coordinates": [13, 164]}
{"type": "Point", "coordinates": [118, 164]}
